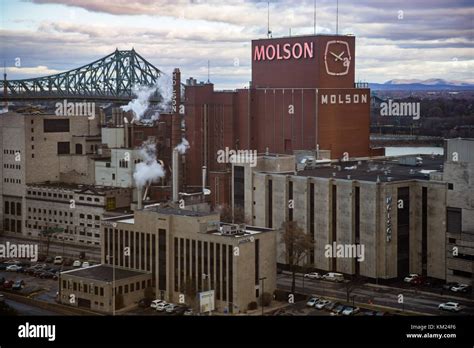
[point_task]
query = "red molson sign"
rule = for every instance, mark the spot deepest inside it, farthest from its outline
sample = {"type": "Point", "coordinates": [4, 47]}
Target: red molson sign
{"type": "Point", "coordinates": [284, 51]}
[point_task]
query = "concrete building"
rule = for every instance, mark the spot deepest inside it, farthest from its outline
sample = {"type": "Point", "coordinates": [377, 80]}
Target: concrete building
{"type": "Point", "coordinates": [41, 147]}
{"type": "Point", "coordinates": [179, 246]}
{"type": "Point", "coordinates": [75, 210]}
{"type": "Point", "coordinates": [93, 287]}
{"type": "Point", "coordinates": [388, 206]}
{"type": "Point", "coordinates": [459, 175]}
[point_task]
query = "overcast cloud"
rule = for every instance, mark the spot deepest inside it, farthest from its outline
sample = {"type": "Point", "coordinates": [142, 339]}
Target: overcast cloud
{"type": "Point", "coordinates": [417, 39]}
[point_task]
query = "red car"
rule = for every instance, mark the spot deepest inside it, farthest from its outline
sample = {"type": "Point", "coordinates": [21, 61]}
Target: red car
{"type": "Point", "coordinates": [419, 280]}
{"type": "Point", "coordinates": [8, 284]}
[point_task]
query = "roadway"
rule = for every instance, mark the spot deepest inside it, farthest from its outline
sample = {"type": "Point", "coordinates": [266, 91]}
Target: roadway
{"type": "Point", "coordinates": [382, 296]}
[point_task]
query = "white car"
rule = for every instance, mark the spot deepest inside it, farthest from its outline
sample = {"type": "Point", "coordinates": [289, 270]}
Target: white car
{"type": "Point", "coordinates": [14, 268]}
{"type": "Point", "coordinates": [350, 310]}
{"type": "Point", "coordinates": [312, 301]}
{"type": "Point", "coordinates": [450, 306]}
{"type": "Point", "coordinates": [155, 303]}
{"type": "Point", "coordinates": [459, 288]}
{"type": "Point", "coordinates": [161, 306]}
{"type": "Point", "coordinates": [321, 304]}
{"type": "Point", "coordinates": [85, 264]}
{"type": "Point", "coordinates": [58, 260]}
{"type": "Point", "coordinates": [411, 277]}
{"type": "Point", "coordinates": [77, 263]}
{"type": "Point", "coordinates": [313, 275]}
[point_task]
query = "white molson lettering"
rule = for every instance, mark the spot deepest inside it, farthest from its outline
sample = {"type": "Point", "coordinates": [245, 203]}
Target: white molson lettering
{"type": "Point", "coordinates": [286, 51]}
{"type": "Point", "coordinates": [343, 98]}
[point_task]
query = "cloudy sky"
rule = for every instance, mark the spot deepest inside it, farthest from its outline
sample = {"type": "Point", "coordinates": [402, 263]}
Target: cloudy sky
{"type": "Point", "coordinates": [404, 39]}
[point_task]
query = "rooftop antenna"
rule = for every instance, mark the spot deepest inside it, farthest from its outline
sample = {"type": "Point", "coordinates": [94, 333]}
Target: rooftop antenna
{"type": "Point", "coordinates": [290, 32]}
{"type": "Point", "coordinates": [269, 32]}
{"type": "Point", "coordinates": [314, 15]}
{"type": "Point", "coordinates": [337, 17]}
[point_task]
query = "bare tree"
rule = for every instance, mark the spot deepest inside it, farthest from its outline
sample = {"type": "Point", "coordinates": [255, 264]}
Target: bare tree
{"type": "Point", "coordinates": [237, 217]}
{"type": "Point", "coordinates": [297, 246]}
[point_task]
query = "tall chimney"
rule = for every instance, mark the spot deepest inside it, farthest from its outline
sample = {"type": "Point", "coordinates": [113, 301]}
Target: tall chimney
{"type": "Point", "coordinates": [139, 198]}
{"type": "Point", "coordinates": [175, 166]}
{"type": "Point", "coordinates": [175, 105]}
{"type": "Point", "coordinates": [203, 178]}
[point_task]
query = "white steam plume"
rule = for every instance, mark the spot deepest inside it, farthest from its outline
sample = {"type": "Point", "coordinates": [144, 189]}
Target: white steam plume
{"type": "Point", "coordinates": [149, 170]}
{"type": "Point", "coordinates": [140, 104]}
{"type": "Point", "coordinates": [183, 146]}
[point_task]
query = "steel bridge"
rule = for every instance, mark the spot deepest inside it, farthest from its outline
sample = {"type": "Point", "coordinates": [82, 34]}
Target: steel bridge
{"type": "Point", "coordinates": [110, 78]}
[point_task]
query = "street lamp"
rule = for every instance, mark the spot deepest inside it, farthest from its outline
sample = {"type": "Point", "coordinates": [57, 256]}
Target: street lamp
{"type": "Point", "coordinates": [263, 290]}
{"type": "Point", "coordinates": [208, 276]}
{"type": "Point", "coordinates": [113, 282]}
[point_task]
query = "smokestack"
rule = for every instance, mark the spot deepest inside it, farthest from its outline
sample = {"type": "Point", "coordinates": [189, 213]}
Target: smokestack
{"type": "Point", "coordinates": [175, 105]}
{"type": "Point", "coordinates": [139, 198]}
{"type": "Point", "coordinates": [125, 121]}
{"type": "Point", "coordinates": [203, 178]}
{"type": "Point", "coordinates": [175, 165]}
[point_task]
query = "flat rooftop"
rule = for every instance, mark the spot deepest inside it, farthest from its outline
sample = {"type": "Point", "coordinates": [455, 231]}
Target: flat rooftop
{"type": "Point", "coordinates": [75, 187]}
{"type": "Point", "coordinates": [103, 273]}
{"type": "Point", "coordinates": [385, 170]}
{"type": "Point", "coordinates": [176, 211]}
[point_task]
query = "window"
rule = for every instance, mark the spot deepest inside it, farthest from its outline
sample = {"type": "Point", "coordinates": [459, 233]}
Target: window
{"type": "Point", "coordinates": [113, 176]}
{"type": "Point", "coordinates": [450, 186]}
{"type": "Point", "coordinates": [63, 148]}
{"type": "Point", "coordinates": [454, 217]}
{"type": "Point", "coordinates": [55, 126]}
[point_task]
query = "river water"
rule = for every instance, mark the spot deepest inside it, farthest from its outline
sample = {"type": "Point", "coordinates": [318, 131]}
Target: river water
{"type": "Point", "coordinates": [415, 150]}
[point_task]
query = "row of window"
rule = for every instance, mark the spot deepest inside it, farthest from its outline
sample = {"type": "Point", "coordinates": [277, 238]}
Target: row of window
{"type": "Point", "coordinates": [12, 181]}
{"type": "Point", "coordinates": [125, 289]}
{"type": "Point", "coordinates": [49, 194]}
{"type": "Point", "coordinates": [12, 208]}
{"type": "Point", "coordinates": [11, 166]}
{"type": "Point", "coordinates": [50, 212]}
{"type": "Point", "coordinates": [12, 225]}
{"type": "Point", "coordinates": [11, 152]}
{"type": "Point", "coordinates": [62, 196]}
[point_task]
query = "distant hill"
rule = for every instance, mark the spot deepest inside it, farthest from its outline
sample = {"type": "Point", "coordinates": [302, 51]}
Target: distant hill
{"type": "Point", "coordinates": [422, 85]}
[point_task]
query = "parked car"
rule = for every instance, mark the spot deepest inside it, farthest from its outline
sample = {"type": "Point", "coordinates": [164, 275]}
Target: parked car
{"type": "Point", "coordinates": [161, 306]}
{"type": "Point", "coordinates": [350, 310]}
{"type": "Point", "coordinates": [339, 309]}
{"type": "Point", "coordinates": [313, 275]}
{"type": "Point", "coordinates": [331, 305]}
{"type": "Point", "coordinates": [144, 303]}
{"type": "Point", "coordinates": [49, 259]}
{"type": "Point", "coordinates": [8, 284]}
{"type": "Point", "coordinates": [180, 310]}
{"type": "Point", "coordinates": [321, 304]}
{"type": "Point", "coordinates": [68, 262]}
{"type": "Point", "coordinates": [3, 266]}
{"type": "Point", "coordinates": [334, 277]}
{"type": "Point", "coordinates": [449, 306]}
{"type": "Point", "coordinates": [368, 313]}
{"type": "Point", "coordinates": [188, 311]}
{"type": "Point", "coordinates": [312, 301]}
{"type": "Point", "coordinates": [12, 262]}
{"type": "Point", "coordinates": [2, 298]}
{"type": "Point", "coordinates": [18, 285]}
{"type": "Point", "coordinates": [419, 281]}
{"type": "Point", "coordinates": [171, 307]}
{"type": "Point", "coordinates": [449, 285]}
{"type": "Point", "coordinates": [48, 275]}
{"type": "Point", "coordinates": [58, 260]}
{"type": "Point", "coordinates": [77, 264]}
{"type": "Point", "coordinates": [410, 278]}
{"type": "Point", "coordinates": [461, 288]}
{"type": "Point", "coordinates": [155, 303]}
{"type": "Point", "coordinates": [85, 264]}
{"type": "Point", "coordinates": [14, 268]}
